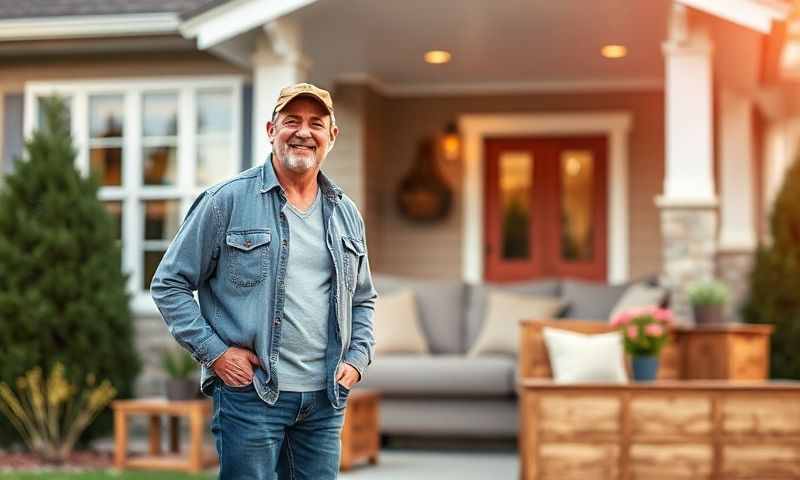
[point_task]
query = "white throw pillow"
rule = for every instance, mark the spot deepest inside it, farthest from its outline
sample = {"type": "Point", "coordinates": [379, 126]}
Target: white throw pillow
{"type": "Point", "coordinates": [638, 295]}
{"type": "Point", "coordinates": [396, 324]}
{"type": "Point", "coordinates": [500, 331]}
{"type": "Point", "coordinates": [575, 357]}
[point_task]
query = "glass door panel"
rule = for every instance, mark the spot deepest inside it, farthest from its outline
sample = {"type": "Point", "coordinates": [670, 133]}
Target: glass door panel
{"type": "Point", "coordinates": [515, 186]}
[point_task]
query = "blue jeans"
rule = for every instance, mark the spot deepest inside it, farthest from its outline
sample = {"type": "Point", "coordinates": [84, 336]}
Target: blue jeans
{"type": "Point", "coordinates": [298, 438]}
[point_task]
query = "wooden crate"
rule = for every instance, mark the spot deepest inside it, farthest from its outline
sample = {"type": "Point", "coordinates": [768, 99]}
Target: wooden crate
{"type": "Point", "coordinates": [729, 351]}
{"type": "Point", "coordinates": [360, 433]}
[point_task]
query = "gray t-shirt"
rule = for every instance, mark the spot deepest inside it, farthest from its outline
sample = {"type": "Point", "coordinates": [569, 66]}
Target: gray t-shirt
{"type": "Point", "coordinates": [304, 333]}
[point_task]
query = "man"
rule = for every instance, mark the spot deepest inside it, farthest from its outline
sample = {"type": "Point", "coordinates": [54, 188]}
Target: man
{"type": "Point", "coordinates": [283, 328]}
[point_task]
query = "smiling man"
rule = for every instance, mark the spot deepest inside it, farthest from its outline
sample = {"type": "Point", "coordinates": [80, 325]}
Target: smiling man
{"type": "Point", "coordinates": [283, 328]}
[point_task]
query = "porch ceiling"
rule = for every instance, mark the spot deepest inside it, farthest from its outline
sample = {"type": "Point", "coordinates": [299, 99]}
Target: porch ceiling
{"type": "Point", "coordinates": [512, 42]}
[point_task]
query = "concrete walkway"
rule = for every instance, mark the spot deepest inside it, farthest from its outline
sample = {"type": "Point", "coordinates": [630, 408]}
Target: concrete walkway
{"type": "Point", "coordinates": [396, 464]}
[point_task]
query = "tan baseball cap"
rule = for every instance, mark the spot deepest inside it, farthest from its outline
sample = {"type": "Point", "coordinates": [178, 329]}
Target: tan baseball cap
{"type": "Point", "coordinates": [304, 89]}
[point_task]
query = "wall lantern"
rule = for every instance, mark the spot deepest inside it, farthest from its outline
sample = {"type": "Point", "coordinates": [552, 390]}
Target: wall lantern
{"type": "Point", "coordinates": [451, 143]}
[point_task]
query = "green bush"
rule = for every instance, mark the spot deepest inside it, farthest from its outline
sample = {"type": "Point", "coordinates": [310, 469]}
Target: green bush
{"type": "Point", "coordinates": [708, 293]}
{"type": "Point", "coordinates": [775, 280]}
{"type": "Point", "coordinates": [62, 290]}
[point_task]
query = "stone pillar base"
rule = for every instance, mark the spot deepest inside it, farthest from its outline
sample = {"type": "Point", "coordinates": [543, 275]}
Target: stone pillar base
{"type": "Point", "coordinates": [733, 269]}
{"type": "Point", "coordinates": [689, 250]}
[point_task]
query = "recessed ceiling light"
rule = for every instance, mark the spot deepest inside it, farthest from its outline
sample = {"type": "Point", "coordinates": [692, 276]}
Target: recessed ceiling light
{"type": "Point", "coordinates": [614, 51]}
{"type": "Point", "coordinates": [437, 56]}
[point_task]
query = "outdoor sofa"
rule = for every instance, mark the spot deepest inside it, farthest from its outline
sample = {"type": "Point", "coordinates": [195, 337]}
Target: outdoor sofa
{"type": "Point", "coordinates": [447, 392]}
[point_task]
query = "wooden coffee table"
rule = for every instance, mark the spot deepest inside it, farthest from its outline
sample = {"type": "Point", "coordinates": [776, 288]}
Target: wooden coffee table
{"type": "Point", "coordinates": [360, 433]}
{"type": "Point", "coordinates": [668, 429]}
{"type": "Point", "coordinates": [195, 460]}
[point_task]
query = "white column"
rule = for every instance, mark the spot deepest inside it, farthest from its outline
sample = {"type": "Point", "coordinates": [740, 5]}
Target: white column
{"type": "Point", "coordinates": [737, 216]}
{"type": "Point", "coordinates": [688, 203]}
{"type": "Point", "coordinates": [277, 63]}
{"type": "Point", "coordinates": [689, 124]}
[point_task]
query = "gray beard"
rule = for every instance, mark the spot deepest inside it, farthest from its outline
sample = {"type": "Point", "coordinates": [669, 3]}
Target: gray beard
{"type": "Point", "coordinates": [298, 164]}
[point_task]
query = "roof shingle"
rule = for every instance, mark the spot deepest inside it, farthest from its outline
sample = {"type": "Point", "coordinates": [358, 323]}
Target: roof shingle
{"type": "Point", "coordinates": [57, 8]}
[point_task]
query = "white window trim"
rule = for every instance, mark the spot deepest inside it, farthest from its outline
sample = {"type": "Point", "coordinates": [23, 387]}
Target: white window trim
{"type": "Point", "coordinates": [133, 192]}
{"type": "Point", "coordinates": [475, 128]}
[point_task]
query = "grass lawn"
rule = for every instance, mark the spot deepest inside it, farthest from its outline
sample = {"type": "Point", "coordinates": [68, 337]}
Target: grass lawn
{"type": "Point", "coordinates": [104, 475]}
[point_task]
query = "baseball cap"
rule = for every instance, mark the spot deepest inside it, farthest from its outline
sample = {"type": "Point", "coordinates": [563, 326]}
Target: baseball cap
{"type": "Point", "coordinates": [304, 89]}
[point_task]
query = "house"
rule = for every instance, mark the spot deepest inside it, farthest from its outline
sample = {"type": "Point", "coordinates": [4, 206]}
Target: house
{"type": "Point", "coordinates": [602, 140]}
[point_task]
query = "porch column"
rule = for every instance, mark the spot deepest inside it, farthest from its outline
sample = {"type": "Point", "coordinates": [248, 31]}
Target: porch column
{"type": "Point", "coordinates": [737, 238]}
{"type": "Point", "coordinates": [688, 205]}
{"type": "Point", "coordinates": [277, 62]}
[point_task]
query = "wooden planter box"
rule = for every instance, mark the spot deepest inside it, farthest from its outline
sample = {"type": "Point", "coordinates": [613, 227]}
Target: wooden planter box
{"type": "Point", "coordinates": [664, 430]}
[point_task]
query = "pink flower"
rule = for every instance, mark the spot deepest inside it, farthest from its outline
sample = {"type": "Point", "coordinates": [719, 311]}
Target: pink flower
{"type": "Point", "coordinates": [663, 315]}
{"type": "Point", "coordinates": [654, 330]}
{"type": "Point", "coordinates": [633, 332]}
{"type": "Point", "coordinates": [622, 318]}
{"type": "Point", "coordinates": [639, 312]}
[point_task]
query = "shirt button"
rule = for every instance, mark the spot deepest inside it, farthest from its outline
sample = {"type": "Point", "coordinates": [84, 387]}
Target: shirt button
{"type": "Point", "coordinates": [247, 243]}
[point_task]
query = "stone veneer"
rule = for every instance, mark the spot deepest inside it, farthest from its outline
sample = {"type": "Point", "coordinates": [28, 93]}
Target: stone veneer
{"type": "Point", "coordinates": [689, 252]}
{"type": "Point", "coordinates": [733, 269]}
{"type": "Point", "coordinates": [152, 338]}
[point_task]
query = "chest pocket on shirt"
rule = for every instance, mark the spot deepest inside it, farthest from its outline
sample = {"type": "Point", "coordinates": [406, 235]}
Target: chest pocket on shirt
{"type": "Point", "coordinates": [353, 251]}
{"type": "Point", "coordinates": [249, 256]}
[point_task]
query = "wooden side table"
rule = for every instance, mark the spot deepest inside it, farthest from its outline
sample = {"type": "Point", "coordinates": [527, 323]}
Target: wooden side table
{"type": "Point", "coordinates": [197, 411]}
{"type": "Point", "coordinates": [360, 432]}
{"type": "Point", "coordinates": [732, 351]}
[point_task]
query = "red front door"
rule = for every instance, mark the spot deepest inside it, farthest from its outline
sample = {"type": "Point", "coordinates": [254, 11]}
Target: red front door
{"type": "Point", "coordinates": [545, 213]}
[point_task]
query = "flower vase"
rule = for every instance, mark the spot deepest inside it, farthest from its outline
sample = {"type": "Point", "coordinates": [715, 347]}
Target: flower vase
{"type": "Point", "coordinates": [645, 368]}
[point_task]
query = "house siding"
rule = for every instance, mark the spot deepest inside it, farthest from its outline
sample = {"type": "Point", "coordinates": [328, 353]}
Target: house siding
{"type": "Point", "coordinates": [434, 250]}
{"type": "Point", "coordinates": [345, 163]}
{"type": "Point", "coordinates": [11, 138]}
{"type": "Point", "coordinates": [14, 72]}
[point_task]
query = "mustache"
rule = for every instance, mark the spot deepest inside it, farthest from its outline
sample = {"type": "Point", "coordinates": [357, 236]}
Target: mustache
{"type": "Point", "coordinates": [302, 143]}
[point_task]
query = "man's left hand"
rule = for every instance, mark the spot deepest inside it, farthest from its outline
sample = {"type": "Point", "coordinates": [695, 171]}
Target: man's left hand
{"type": "Point", "coordinates": [347, 375]}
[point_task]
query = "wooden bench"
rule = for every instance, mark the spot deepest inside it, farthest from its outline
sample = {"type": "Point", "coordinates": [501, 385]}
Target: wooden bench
{"type": "Point", "coordinates": [713, 430]}
{"type": "Point", "coordinates": [737, 426]}
{"type": "Point", "coordinates": [721, 352]}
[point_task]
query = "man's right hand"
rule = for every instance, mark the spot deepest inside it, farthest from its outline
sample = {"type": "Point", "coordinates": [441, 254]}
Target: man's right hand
{"type": "Point", "coordinates": [235, 366]}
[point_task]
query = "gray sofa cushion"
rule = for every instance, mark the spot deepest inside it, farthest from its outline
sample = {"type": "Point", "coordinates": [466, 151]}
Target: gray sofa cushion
{"type": "Point", "coordinates": [476, 301]}
{"type": "Point", "coordinates": [441, 309]}
{"type": "Point", "coordinates": [409, 375]}
{"type": "Point", "coordinates": [595, 300]}
{"type": "Point", "coordinates": [448, 418]}
{"type": "Point", "coordinates": [591, 300]}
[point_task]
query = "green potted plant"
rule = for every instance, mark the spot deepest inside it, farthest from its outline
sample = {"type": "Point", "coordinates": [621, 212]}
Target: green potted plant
{"type": "Point", "coordinates": [180, 367]}
{"type": "Point", "coordinates": [708, 299]}
{"type": "Point", "coordinates": [645, 331]}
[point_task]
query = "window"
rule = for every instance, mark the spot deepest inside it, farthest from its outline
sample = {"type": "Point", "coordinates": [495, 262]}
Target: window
{"type": "Point", "coordinates": [153, 145]}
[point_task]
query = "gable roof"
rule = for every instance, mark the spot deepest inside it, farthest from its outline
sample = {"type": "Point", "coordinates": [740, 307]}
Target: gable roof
{"type": "Point", "coordinates": [61, 8]}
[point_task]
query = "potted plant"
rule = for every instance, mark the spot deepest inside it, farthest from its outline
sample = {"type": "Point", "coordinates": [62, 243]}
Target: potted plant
{"type": "Point", "coordinates": [707, 299]}
{"type": "Point", "coordinates": [180, 368]}
{"type": "Point", "coordinates": [645, 331]}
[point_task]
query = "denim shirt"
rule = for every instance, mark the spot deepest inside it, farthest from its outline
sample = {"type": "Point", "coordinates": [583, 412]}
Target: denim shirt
{"type": "Point", "coordinates": [233, 247]}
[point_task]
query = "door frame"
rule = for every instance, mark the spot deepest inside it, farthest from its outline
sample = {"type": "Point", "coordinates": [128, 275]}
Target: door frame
{"type": "Point", "coordinates": [615, 125]}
